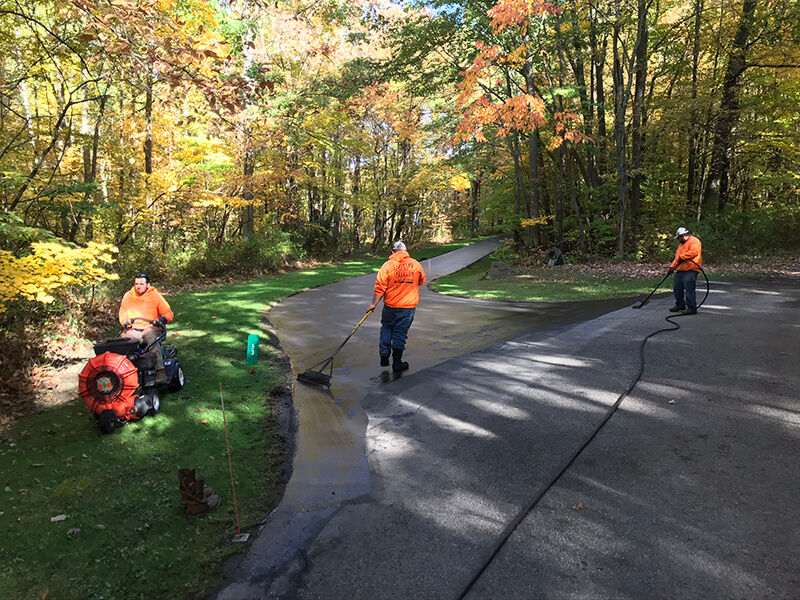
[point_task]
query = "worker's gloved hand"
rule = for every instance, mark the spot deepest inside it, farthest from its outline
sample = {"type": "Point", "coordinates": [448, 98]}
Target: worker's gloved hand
{"type": "Point", "coordinates": [160, 322]}
{"type": "Point", "coordinates": [670, 270]}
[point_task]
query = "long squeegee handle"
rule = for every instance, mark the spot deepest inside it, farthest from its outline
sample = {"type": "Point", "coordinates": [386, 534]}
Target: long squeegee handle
{"type": "Point", "coordinates": [656, 288]}
{"type": "Point", "coordinates": [364, 318]}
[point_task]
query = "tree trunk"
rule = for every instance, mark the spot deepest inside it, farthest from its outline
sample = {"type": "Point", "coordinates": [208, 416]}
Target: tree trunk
{"type": "Point", "coordinates": [559, 196]}
{"type": "Point", "coordinates": [148, 126]}
{"type": "Point", "coordinates": [691, 185]}
{"type": "Point", "coordinates": [512, 140]}
{"type": "Point", "coordinates": [621, 139]}
{"type": "Point", "coordinates": [519, 189]}
{"type": "Point", "coordinates": [356, 188]}
{"type": "Point", "coordinates": [401, 222]}
{"type": "Point", "coordinates": [248, 224]}
{"type": "Point", "coordinates": [475, 196]}
{"type": "Point", "coordinates": [576, 206]}
{"type": "Point", "coordinates": [637, 145]}
{"type": "Point", "coordinates": [533, 176]}
{"type": "Point", "coordinates": [599, 62]}
{"type": "Point", "coordinates": [578, 70]}
{"type": "Point", "coordinates": [90, 173]}
{"type": "Point", "coordinates": [85, 130]}
{"type": "Point", "coordinates": [716, 192]}
{"type": "Point", "coordinates": [533, 152]}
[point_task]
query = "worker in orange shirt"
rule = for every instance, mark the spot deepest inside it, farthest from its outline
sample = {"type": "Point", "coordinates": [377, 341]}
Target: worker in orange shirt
{"type": "Point", "coordinates": [145, 302]}
{"type": "Point", "coordinates": [398, 284]}
{"type": "Point", "coordinates": [687, 263]}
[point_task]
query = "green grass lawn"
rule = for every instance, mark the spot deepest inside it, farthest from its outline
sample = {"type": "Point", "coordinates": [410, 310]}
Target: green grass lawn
{"type": "Point", "coordinates": [125, 534]}
{"type": "Point", "coordinates": [542, 285]}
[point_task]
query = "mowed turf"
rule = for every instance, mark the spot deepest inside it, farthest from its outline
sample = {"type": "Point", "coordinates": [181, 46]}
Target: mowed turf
{"type": "Point", "coordinates": [124, 534]}
{"type": "Point", "coordinates": [544, 285]}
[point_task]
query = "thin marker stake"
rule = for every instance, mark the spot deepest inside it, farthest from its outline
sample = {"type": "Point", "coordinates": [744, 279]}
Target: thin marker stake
{"type": "Point", "coordinates": [230, 466]}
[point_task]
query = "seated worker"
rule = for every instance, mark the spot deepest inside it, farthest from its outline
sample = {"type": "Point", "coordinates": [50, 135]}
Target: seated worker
{"type": "Point", "coordinates": [145, 302]}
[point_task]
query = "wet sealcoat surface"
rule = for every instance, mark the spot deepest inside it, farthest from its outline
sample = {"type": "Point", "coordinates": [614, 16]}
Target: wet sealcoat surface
{"type": "Point", "coordinates": [404, 490]}
{"type": "Point", "coordinates": [330, 464]}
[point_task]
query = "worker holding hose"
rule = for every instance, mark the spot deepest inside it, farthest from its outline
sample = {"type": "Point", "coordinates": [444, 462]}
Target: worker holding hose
{"type": "Point", "coordinates": [398, 284]}
{"type": "Point", "coordinates": [687, 263]}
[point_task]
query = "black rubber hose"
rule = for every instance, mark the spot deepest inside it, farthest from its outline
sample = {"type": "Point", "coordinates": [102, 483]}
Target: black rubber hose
{"type": "Point", "coordinates": [708, 287]}
{"type": "Point", "coordinates": [512, 526]}
{"type": "Point", "coordinates": [660, 283]}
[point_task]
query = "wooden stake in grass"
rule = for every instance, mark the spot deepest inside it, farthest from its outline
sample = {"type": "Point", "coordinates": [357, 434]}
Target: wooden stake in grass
{"type": "Point", "coordinates": [239, 537]}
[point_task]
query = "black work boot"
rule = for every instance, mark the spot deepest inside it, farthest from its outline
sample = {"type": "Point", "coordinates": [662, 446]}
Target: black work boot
{"type": "Point", "coordinates": [397, 360]}
{"type": "Point", "coordinates": [384, 360]}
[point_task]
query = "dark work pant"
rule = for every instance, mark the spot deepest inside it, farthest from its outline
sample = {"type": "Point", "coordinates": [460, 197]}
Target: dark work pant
{"type": "Point", "coordinates": [394, 328]}
{"type": "Point", "coordinates": [683, 287]}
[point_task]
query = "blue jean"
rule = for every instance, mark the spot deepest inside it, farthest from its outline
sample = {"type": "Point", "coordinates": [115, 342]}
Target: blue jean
{"type": "Point", "coordinates": [394, 328]}
{"type": "Point", "coordinates": [683, 286]}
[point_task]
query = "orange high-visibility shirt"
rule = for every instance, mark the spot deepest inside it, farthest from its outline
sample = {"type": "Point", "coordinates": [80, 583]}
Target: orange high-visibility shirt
{"type": "Point", "coordinates": [688, 251]}
{"type": "Point", "coordinates": [149, 305]}
{"type": "Point", "coordinates": [398, 281]}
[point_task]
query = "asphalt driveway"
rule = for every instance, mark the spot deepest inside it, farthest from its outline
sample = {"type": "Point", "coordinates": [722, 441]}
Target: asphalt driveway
{"type": "Point", "coordinates": [405, 486]}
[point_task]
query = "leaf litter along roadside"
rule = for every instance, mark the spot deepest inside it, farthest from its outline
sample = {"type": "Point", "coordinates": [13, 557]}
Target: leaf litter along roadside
{"type": "Point", "coordinates": [119, 492]}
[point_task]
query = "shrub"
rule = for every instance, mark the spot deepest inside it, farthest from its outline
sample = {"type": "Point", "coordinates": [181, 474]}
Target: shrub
{"type": "Point", "coordinates": [750, 233]}
{"type": "Point", "coordinates": [267, 250]}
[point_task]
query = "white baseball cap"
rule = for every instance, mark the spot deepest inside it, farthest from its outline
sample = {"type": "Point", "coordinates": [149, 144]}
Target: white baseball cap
{"type": "Point", "coordinates": [398, 246]}
{"type": "Point", "coordinates": [681, 231]}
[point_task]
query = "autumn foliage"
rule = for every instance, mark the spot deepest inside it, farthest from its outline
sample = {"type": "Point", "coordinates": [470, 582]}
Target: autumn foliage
{"type": "Point", "coordinates": [201, 139]}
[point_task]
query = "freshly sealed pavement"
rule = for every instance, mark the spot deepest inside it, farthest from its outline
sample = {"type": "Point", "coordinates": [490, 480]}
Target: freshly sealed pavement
{"type": "Point", "coordinates": [690, 490]}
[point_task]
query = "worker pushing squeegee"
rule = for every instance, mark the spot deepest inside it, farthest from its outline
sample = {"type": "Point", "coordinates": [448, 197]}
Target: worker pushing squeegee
{"type": "Point", "coordinates": [398, 283]}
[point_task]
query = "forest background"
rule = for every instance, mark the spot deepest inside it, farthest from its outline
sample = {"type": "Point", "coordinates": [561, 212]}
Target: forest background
{"type": "Point", "coordinates": [193, 139]}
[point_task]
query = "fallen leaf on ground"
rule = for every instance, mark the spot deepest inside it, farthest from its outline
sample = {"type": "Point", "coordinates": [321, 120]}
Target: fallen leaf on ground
{"type": "Point", "coordinates": [74, 531]}
{"type": "Point", "coordinates": [58, 518]}
{"type": "Point", "coordinates": [100, 527]}
{"type": "Point", "coordinates": [251, 371]}
{"type": "Point", "coordinates": [201, 409]}
{"type": "Point", "coordinates": [577, 507]}
{"type": "Point", "coordinates": [204, 421]}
